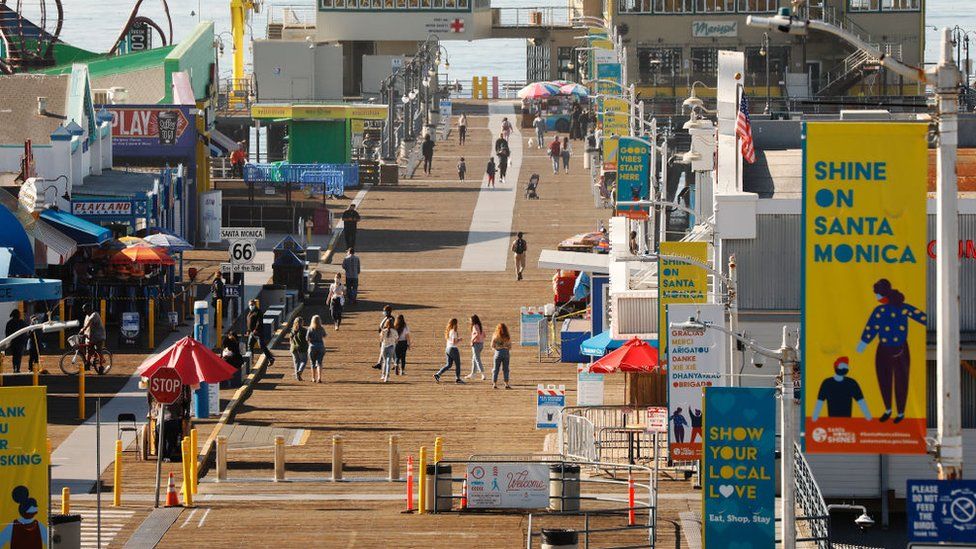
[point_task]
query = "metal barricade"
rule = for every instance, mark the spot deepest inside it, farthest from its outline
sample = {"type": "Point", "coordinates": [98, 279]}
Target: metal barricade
{"type": "Point", "coordinates": [579, 438]}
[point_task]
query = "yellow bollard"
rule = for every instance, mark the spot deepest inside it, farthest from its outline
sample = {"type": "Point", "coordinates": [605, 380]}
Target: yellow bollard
{"type": "Point", "coordinates": [422, 495]}
{"type": "Point", "coordinates": [66, 501]}
{"type": "Point", "coordinates": [193, 459]}
{"type": "Point", "coordinates": [438, 449]}
{"type": "Point", "coordinates": [36, 374]}
{"type": "Point", "coordinates": [2, 356]}
{"type": "Point", "coordinates": [152, 323]}
{"type": "Point", "coordinates": [219, 320]}
{"type": "Point", "coordinates": [81, 391]}
{"type": "Point", "coordinates": [187, 472]}
{"type": "Point", "coordinates": [61, 317]}
{"type": "Point", "coordinates": [102, 309]}
{"type": "Point", "coordinates": [117, 477]}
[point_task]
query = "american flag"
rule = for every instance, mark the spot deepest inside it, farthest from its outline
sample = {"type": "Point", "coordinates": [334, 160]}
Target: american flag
{"type": "Point", "coordinates": [743, 131]}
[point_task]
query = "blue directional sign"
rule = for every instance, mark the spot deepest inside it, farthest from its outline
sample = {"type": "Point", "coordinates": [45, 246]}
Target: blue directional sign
{"type": "Point", "coordinates": [942, 510]}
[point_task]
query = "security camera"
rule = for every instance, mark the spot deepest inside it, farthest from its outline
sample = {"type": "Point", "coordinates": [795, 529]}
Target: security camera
{"type": "Point", "coordinates": [864, 521]}
{"type": "Point", "coordinates": [758, 360]}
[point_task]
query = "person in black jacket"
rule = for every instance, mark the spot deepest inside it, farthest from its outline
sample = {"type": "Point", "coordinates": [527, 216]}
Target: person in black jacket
{"type": "Point", "coordinates": [217, 292]}
{"type": "Point", "coordinates": [427, 149]}
{"type": "Point", "coordinates": [255, 316]}
{"type": "Point", "coordinates": [18, 345]}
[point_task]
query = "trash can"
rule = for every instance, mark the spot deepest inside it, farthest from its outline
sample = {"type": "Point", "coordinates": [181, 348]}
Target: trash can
{"type": "Point", "coordinates": [558, 538]}
{"type": "Point", "coordinates": [66, 531]}
{"type": "Point", "coordinates": [564, 487]}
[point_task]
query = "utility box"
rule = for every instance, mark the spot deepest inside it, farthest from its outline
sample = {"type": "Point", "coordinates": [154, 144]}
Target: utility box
{"type": "Point", "coordinates": [65, 531]}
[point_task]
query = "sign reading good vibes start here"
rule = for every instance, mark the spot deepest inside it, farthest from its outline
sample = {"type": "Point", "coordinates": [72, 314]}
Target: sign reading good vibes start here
{"type": "Point", "coordinates": [739, 456]}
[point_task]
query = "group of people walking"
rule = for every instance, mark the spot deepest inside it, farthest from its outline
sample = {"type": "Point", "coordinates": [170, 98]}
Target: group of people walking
{"type": "Point", "coordinates": [500, 342]}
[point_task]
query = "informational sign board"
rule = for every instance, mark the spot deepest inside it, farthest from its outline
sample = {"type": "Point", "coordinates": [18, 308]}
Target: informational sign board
{"type": "Point", "coordinates": [695, 361]}
{"type": "Point", "coordinates": [589, 389]}
{"type": "Point", "coordinates": [148, 130]}
{"type": "Point", "coordinates": [237, 233]}
{"type": "Point", "coordinates": [211, 215]}
{"type": "Point", "coordinates": [941, 511]}
{"type": "Point", "coordinates": [738, 473]}
{"type": "Point", "coordinates": [242, 267]}
{"type": "Point", "coordinates": [130, 326]}
{"type": "Point", "coordinates": [633, 176]}
{"type": "Point", "coordinates": [213, 399]}
{"type": "Point", "coordinates": [508, 485]}
{"type": "Point", "coordinates": [657, 419]}
{"type": "Point", "coordinates": [529, 319]}
{"type": "Point", "coordinates": [550, 401]}
{"type": "Point", "coordinates": [242, 250]}
{"type": "Point", "coordinates": [446, 108]}
{"type": "Point", "coordinates": [232, 290]}
{"type": "Point", "coordinates": [24, 458]}
{"type": "Point", "coordinates": [864, 272]}
{"type": "Point", "coordinates": [678, 281]}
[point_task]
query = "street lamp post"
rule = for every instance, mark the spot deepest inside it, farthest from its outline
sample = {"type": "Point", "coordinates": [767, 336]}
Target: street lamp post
{"type": "Point", "coordinates": [764, 52]}
{"type": "Point", "coordinates": [945, 78]}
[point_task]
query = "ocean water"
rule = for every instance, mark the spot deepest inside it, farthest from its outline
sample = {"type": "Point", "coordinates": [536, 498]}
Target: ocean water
{"type": "Point", "coordinates": [95, 24]}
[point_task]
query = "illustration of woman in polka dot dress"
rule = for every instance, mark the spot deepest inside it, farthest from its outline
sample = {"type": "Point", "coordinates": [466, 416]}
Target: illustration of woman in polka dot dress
{"type": "Point", "coordinates": [889, 324]}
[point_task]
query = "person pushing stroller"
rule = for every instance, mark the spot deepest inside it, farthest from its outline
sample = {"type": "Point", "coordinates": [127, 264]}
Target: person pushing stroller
{"type": "Point", "coordinates": [532, 188]}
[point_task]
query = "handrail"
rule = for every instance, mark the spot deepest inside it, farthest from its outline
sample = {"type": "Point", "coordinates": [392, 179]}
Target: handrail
{"type": "Point", "coordinates": [811, 500]}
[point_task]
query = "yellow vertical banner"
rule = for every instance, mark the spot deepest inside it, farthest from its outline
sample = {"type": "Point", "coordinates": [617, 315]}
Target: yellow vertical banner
{"type": "Point", "coordinates": [24, 463]}
{"type": "Point", "coordinates": [864, 321]}
{"type": "Point", "coordinates": [679, 281]}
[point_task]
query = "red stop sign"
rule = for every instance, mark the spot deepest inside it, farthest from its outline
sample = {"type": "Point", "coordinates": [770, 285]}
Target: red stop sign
{"type": "Point", "coordinates": [165, 385]}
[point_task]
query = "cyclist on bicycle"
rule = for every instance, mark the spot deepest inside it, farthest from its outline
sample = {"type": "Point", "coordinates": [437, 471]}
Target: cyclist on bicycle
{"type": "Point", "coordinates": [93, 329]}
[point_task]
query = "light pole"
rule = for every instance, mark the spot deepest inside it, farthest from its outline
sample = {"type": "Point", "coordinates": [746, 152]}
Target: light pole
{"type": "Point", "coordinates": [787, 355]}
{"type": "Point", "coordinates": [764, 52]}
{"type": "Point", "coordinates": [945, 78]}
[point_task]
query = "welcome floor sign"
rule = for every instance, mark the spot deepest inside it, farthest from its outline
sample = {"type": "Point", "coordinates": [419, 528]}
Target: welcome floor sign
{"type": "Point", "coordinates": [739, 461]}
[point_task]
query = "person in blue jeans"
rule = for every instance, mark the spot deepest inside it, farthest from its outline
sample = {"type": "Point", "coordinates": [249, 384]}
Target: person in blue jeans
{"type": "Point", "coordinates": [316, 347]}
{"type": "Point", "coordinates": [352, 267]}
{"type": "Point", "coordinates": [501, 342]}
{"type": "Point", "coordinates": [452, 352]}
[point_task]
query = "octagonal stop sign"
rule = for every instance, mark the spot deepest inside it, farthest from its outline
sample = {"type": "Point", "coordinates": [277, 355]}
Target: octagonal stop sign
{"type": "Point", "coordinates": [165, 385]}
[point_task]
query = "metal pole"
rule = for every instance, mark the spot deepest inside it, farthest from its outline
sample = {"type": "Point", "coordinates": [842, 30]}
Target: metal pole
{"type": "Point", "coordinates": [766, 49]}
{"type": "Point", "coordinates": [733, 318]}
{"type": "Point", "coordinates": [98, 471]}
{"type": "Point", "coordinates": [949, 457]}
{"type": "Point", "coordinates": [159, 449]}
{"type": "Point", "coordinates": [788, 361]}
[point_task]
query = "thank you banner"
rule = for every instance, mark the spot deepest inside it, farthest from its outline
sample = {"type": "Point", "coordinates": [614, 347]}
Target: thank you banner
{"type": "Point", "coordinates": [23, 466]}
{"type": "Point", "coordinates": [738, 483]}
{"type": "Point", "coordinates": [864, 322]}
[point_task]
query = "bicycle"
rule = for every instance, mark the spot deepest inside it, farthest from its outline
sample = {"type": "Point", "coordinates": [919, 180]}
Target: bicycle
{"type": "Point", "coordinates": [99, 360]}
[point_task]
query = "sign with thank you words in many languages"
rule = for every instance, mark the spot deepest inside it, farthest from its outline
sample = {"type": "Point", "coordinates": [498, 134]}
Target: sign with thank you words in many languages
{"type": "Point", "coordinates": [864, 269]}
{"type": "Point", "coordinates": [23, 466]}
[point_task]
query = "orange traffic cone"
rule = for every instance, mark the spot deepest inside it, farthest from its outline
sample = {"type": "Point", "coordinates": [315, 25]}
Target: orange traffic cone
{"type": "Point", "coordinates": [172, 500]}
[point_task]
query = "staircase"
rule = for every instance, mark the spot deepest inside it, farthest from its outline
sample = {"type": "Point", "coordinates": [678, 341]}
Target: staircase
{"type": "Point", "coordinates": [24, 43]}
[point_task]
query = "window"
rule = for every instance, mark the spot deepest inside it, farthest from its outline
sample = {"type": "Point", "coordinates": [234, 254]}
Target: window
{"type": "Point", "coordinates": [658, 66]}
{"type": "Point", "coordinates": [425, 4]}
{"type": "Point", "coordinates": [463, 4]}
{"type": "Point", "coordinates": [673, 6]}
{"type": "Point", "coordinates": [340, 4]}
{"type": "Point", "coordinates": [377, 4]}
{"type": "Point", "coordinates": [900, 5]}
{"type": "Point", "coordinates": [704, 61]}
{"type": "Point", "coordinates": [401, 4]}
{"type": "Point", "coordinates": [326, 4]}
{"type": "Point", "coordinates": [634, 6]}
{"type": "Point", "coordinates": [715, 6]}
{"type": "Point", "coordinates": [565, 59]}
{"type": "Point", "coordinates": [863, 5]}
{"type": "Point", "coordinates": [438, 4]}
{"type": "Point", "coordinates": [779, 62]}
{"type": "Point", "coordinates": [450, 4]}
{"type": "Point", "coordinates": [758, 6]}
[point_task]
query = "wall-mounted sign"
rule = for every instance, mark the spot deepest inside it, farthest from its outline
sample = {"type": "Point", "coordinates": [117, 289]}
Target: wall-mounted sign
{"type": "Point", "coordinates": [151, 130]}
{"type": "Point", "coordinates": [941, 511]}
{"type": "Point", "coordinates": [508, 485]}
{"type": "Point", "coordinates": [118, 207]}
{"type": "Point", "coordinates": [714, 29]}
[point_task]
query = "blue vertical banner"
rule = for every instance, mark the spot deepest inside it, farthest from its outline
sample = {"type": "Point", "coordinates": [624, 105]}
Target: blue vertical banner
{"type": "Point", "coordinates": [739, 461]}
{"type": "Point", "coordinates": [633, 176]}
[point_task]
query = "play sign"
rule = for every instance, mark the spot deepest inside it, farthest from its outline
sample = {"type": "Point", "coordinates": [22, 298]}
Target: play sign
{"type": "Point", "coordinates": [165, 385]}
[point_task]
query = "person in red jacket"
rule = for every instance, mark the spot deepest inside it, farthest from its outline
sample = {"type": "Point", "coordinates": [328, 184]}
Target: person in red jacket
{"type": "Point", "coordinates": [554, 154]}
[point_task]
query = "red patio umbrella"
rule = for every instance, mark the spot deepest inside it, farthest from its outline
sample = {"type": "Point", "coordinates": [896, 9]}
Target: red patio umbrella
{"type": "Point", "coordinates": [634, 356]}
{"type": "Point", "coordinates": [143, 255]}
{"type": "Point", "coordinates": [193, 360]}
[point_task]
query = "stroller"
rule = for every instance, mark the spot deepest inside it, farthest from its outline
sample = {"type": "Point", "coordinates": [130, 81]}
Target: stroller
{"type": "Point", "coordinates": [532, 187]}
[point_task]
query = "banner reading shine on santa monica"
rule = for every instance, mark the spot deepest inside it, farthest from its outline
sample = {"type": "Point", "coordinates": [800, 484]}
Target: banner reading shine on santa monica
{"type": "Point", "coordinates": [864, 318]}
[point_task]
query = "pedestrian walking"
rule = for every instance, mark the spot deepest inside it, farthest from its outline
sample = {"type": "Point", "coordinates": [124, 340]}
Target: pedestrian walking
{"type": "Point", "coordinates": [336, 299]}
{"type": "Point", "coordinates": [316, 347]}
{"type": "Point", "coordinates": [462, 168]}
{"type": "Point", "coordinates": [566, 152]}
{"type": "Point", "coordinates": [502, 151]}
{"type": "Point", "coordinates": [19, 344]}
{"type": "Point", "coordinates": [230, 350]}
{"type": "Point", "coordinates": [539, 123]}
{"type": "Point", "coordinates": [34, 345]}
{"type": "Point", "coordinates": [462, 129]}
{"type": "Point", "coordinates": [490, 172]}
{"type": "Point", "coordinates": [477, 345]}
{"type": "Point", "coordinates": [218, 292]}
{"type": "Point", "coordinates": [427, 150]}
{"type": "Point", "coordinates": [351, 266]}
{"type": "Point", "coordinates": [519, 247]}
{"type": "Point", "coordinates": [574, 122]}
{"type": "Point", "coordinates": [350, 222]}
{"type": "Point", "coordinates": [506, 128]}
{"type": "Point", "coordinates": [453, 354]}
{"type": "Point", "coordinates": [554, 154]}
{"type": "Point", "coordinates": [238, 157]}
{"type": "Point", "coordinates": [255, 320]}
{"type": "Point", "coordinates": [298, 345]}
{"type": "Point", "coordinates": [388, 340]}
{"type": "Point", "coordinates": [501, 342]}
{"type": "Point", "coordinates": [385, 323]}
{"type": "Point", "coordinates": [402, 344]}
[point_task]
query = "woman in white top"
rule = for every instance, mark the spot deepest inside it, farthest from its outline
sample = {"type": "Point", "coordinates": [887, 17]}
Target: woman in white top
{"type": "Point", "coordinates": [462, 129]}
{"type": "Point", "coordinates": [336, 299]}
{"type": "Point", "coordinates": [402, 344]}
{"type": "Point", "coordinates": [453, 354]}
{"type": "Point", "coordinates": [477, 344]}
{"type": "Point", "coordinates": [388, 339]}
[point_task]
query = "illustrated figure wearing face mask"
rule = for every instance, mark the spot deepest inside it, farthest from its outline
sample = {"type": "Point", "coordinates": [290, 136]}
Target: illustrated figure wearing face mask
{"type": "Point", "coordinates": [889, 324]}
{"type": "Point", "coordinates": [24, 532]}
{"type": "Point", "coordinates": [839, 392]}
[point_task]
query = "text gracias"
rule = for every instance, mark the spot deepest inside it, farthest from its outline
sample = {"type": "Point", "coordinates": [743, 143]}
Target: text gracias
{"type": "Point", "coordinates": [871, 226]}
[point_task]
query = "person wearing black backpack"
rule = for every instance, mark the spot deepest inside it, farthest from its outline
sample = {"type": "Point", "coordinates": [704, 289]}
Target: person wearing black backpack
{"type": "Point", "coordinates": [518, 248]}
